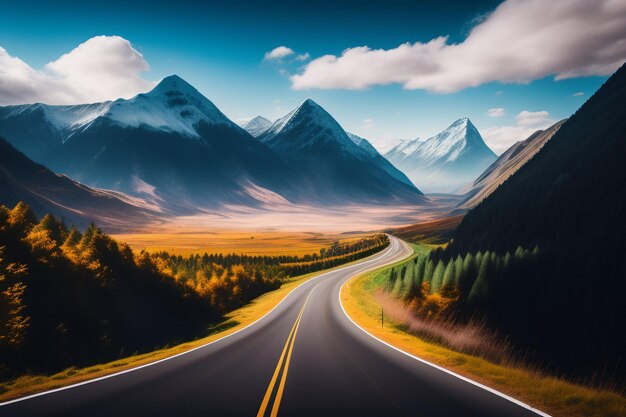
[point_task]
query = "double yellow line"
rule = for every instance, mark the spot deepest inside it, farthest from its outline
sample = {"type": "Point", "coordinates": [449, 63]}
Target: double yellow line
{"type": "Point", "coordinates": [283, 363]}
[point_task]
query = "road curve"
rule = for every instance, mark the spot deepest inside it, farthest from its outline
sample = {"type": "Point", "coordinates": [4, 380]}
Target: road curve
{"type": "Point", "coordinates": [304, 358]}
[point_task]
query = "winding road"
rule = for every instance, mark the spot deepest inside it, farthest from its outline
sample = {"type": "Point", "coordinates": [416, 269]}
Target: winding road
{"type": "Point", "coordinates": [304, 358]}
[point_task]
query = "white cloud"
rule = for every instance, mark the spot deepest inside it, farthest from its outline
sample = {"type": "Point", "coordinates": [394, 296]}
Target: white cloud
{"type": "Point", "coordinates": [501, 138]}
{"type": "Point", "coordinates": [499, 93]}
{"type": "Point", "coordinates": [303, 57]}
{"type": "Point", "coordinates": [278, 53]}
{"type": "Point", "coordinates": [368, 124]}
{"type": "Point", "coordinates": [496, 112]}
{"type": "Point", "coordinates": [578, 94]}
{"type": "Point", "coordinates": [102, 68]}
{"type": "Point", "coordinates": [533, 118]}
{"type": "Point", "coordinates": [520, 41]}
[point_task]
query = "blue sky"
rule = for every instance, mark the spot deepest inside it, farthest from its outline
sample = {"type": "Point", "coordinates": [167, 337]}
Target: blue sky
{"type": "Point", "coordinates": [220, 47]}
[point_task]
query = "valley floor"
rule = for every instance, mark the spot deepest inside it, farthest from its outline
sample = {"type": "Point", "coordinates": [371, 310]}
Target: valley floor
{"type": "Point", "coordinates": [284, 230]}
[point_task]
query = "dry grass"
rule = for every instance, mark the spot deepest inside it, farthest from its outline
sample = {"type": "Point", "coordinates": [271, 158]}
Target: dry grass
{"type": "Point", "coordinates": [471, 338]}
{"type": "Point", "coordinates": [188, 242]}
{"type": "Point", "coordinates": [551, 395]}
{"type": "Point", "coordinates": [233, 321]}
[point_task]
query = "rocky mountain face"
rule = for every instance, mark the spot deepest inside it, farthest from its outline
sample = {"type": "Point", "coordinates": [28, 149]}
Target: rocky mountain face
{"type": "Point", "coordinates": [338, 170]}
{"type": "Point", "coordinates": [506, 165]}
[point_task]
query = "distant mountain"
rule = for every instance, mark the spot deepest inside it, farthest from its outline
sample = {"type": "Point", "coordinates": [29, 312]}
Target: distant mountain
{"type": "Point", "coordinates": [567, 302]}
{"type": "Point", "coordinates": [446, 161]}
{"type": "Point", "coordinates": [380, 160]}
{"type": "Point", "coordinates": [506, 165]}
{"type": "Point", "coordinates": [46, 192]}
{"type": "Point", "coordinates": [310, 141]}
{"type": "Point", "coordinates": [171, 146]}
{"type": "Point", "coordinates": [256, 126]}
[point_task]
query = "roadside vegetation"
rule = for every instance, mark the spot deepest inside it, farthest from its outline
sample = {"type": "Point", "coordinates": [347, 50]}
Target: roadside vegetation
{"type": "Point", "coordinates": [423, 322]}
{"type": "Point", "coordinates": [70, 299]}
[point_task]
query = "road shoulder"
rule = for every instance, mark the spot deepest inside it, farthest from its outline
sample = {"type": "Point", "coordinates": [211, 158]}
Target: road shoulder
{"type": "Point", "coordinates": [557, 397]}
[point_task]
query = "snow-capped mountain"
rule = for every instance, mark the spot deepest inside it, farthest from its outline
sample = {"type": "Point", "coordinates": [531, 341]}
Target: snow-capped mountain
{"type": "Point", "coordinates": [170, 145]}
{"type": "Point", "coordinates": [311, 141]}
{"type": "Point", "coordinates": [446, 161]}
{"type": "Point", "coordinates": [256, 126]}
{"type": "Point", "coordinates": [380, 160]}
{"type": "Point", "coordinates": [506, 165]}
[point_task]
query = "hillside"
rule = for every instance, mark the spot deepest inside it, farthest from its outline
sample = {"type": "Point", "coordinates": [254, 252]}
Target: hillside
{"type": "Point", "coordinates": [46, 192]}
{"type": "Point", "coordinates": [506, 165]}
{"type": "Point", "coordinates": [565, 303]}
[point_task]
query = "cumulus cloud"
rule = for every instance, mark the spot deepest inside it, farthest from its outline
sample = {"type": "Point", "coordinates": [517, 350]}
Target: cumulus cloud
{"type": "Point", "coordinates": [501, 138]}
{"type": "Point", "coordinates": [520, 41]}
{"type": "Point", "coordinates": [496, 112]}
{"type": "Point", "coordinates": [533, 118]}
{"type": "Point", "coordinates": [578, 94]}
{"type": "Point", "coordinates": [278, 53]}
{"type": "Point", "coordinates": [102, 68]}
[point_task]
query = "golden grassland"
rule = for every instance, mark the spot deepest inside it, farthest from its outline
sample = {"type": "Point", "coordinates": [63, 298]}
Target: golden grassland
{"type": "Point", "coordinates": [188, 242]}
{"type": "Point", "coordinates": [551, 395]}
{"type": "Point", "coordinates": [233, 321]}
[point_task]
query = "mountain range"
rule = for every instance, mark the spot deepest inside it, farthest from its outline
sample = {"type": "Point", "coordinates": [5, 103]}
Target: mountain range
{"type": "Point", "coordinates": [310, 140]}
{"type": "Point", "coordinates": [173, 148]}
{"type": "Point", "coordinates": [445, 162]}
{"type": "Point", "coordinates": [506, 165]}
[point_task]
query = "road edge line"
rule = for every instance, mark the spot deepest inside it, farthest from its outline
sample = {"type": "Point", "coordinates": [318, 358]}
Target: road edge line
{"type": "Point", "coordinates": [101, 378]}
{"type": "Point", "coordinates": [440, 368]}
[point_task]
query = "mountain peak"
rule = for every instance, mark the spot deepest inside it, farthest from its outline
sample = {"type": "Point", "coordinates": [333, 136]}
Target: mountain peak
{"type": "Point", "coordinates": [173, 83]}
{"type": "Point", "coordinates": [311, 116]}
{"type": "Point", "coordinates": [256, 126]}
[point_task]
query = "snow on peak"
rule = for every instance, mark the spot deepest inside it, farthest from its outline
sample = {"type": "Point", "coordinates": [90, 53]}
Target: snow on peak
{"type": "Point", "coordinates": [448, 144]}
{"type": "Point", "coordinates": [363, 144]}
{"type": "Point", "coordinates": [256, 126]}
{"type": "Point", "coordinates": [172, 106]}
{"type": "Point", "coordinates": [312, 114]}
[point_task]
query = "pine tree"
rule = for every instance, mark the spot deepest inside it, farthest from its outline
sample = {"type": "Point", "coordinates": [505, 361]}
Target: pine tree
{"type": "Point", "coordinates": [438, 277]}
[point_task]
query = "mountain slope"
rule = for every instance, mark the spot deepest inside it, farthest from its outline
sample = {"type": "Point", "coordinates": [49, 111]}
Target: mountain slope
{"type": "Point", "coordinates": [171, 146]}
{"type": "Point", "coordinates": [380, 160]}
{"type": "Point", "coordinates": [339, 171]}
{"type": "Point", "coordinates": [446, 161]}
{"type": "Point", "coordinates": [256, 126]}
{"type": "Point", "coordinates": [506, 165]}
{"type": "Point", "coordinates": [569, 201]}
{"type": "Point", "coordinates": [46, 192]}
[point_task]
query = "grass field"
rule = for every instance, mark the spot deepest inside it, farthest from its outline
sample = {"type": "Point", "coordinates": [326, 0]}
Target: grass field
{"type": "Point", "coordinates": [233, 321]}
{"type": "Point", "coordinates": [188, 242]}
{"type": "Point", "coordinates": [551, 395]}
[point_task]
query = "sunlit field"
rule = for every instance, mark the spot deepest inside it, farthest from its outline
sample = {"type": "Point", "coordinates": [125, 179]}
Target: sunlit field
{"type": "Point", "coordinates": [289, 230]}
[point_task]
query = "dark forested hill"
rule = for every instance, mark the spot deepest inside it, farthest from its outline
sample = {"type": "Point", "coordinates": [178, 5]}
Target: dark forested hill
{"type": "Point", "coordinates": [567, 304]}
{"type": "Point", "coordinates": [21, 179]}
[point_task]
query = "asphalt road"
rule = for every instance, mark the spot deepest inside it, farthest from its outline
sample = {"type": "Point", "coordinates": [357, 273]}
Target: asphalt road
{"type": "Point", "coordinates": [305, 358]}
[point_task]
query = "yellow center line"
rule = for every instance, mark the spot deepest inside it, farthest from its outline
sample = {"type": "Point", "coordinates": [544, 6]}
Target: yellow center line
{"type": "Point", "coordinates": [288, 348]}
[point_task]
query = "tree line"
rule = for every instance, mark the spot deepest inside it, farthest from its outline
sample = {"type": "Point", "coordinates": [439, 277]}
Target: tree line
{"type": "Point", "coordinates": [72, 298]}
